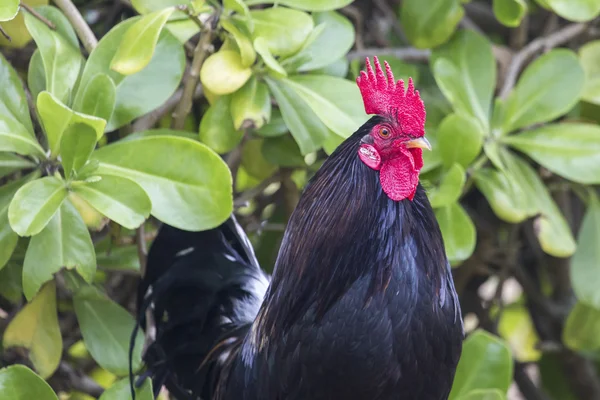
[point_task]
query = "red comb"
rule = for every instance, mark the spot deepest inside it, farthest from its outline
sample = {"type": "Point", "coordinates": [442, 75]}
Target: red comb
{"type": "Point", "coordinates": [384, 96]}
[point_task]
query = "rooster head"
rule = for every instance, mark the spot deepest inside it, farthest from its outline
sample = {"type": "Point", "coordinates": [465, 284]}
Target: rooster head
{"type": "Point", "coordinates": [394, 146]}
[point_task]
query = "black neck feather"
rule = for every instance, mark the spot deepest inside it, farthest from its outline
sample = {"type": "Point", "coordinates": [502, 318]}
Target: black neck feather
{"type": "Point", "coordinates": [345, 227]}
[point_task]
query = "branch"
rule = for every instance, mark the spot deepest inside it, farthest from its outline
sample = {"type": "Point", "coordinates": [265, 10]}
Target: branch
{"type": "Point", "coordinates": [543, 43]}
{"type": "Point", "coordinates": [6, 35]}
{"type": "Point", "coordinates": [39, 16]}
{"type": "Point", "coordinates": [81, 27]}
{"type": "Point", "coordinates": [249, 194]}
{"type": "Point", "coordinates": [402, 53]}
{"type": "Point", "coordinates": [190, 81]}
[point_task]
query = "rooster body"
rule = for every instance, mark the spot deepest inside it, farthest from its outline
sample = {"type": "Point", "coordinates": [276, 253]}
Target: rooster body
{"type": "Point", "coordinates": [361, 304]}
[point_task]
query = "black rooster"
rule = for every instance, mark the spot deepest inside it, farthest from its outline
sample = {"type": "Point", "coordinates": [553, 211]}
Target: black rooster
{"type": "Point", "coordinates": [361, 304]}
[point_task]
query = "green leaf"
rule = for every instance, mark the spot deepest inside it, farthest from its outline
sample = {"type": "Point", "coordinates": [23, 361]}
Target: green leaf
{"type": "Point", "coordinates": [223, 72]}
{"type": "Point", "coordinates": [551, 228]}
{"type": "Point", "coordinates": [260, 44]}
{"type": "Point", "coordinates": [535, 98]}
{"type": "Point", "coordinates": [62, 61]}
{"type": "Point", "coordinates": [124, 258]}
{"type": "Point", "coordinates": [516, 327]}
{"type": "Point", "coordinates": [335, 101]}
{"type": "Point", "coordinates": [553, 378]}
{"type": "Point", "coordinates": [459, 139]}
{"type": "Point", "coordinates": [64, 242]}
{"type": "Point", "coordinates": [283, 29]}
{"type": "Point", "coordinates": [567, 149]}
{"type": "Point", "coordinates": [13, 101]}
{"type": "Point", "coordinates": [121, 391]}
{"type": "Point", "coordinates": [10, 163]}
{"type": "Point", "coordinates": [307, 5]}
{"type": "Point", "coordinates": [251, 105]}
{"type": "Point", "coordinates": [36, 75]}
{"type": "Point", "coordinates": [582, 329]}
{"type": "Point", "coordinates": [134, 96]}
{"type": "Point", "coordinates": [9, 9]}
{"type": "Point", "coordinates": [188, 184]}
{"type": "Point", "coordinates": [138, 43]}
{"type": "Point", "coordinates": [56, 117]}
{"type": "Point", "coordinates": [332, 44]}
{"type": "Point", "coordinates": [429, 24]}
{"type": "Point", "coordinates": [254, 162]}
{"type": "Point", "coordinates": [242, 39]}
{"type": "Point", "coordinates": [275, 127]}
{"type": "Point", "coordinates": [282, 151]}
{"type": "Point", "coordinates": [120, 199]}
{"type": "Point", "coordinates": [458, 232]}
{"type": "Point", "coordinates": [485, 363]}
{"type": "Point", "coordinates": [465, 71]}
{"type": "Point", "coordinates": [36, 328]}
{"type": "Point", "coordinates": [450, 188]}
{"type": "Point", "coordinates": [304, 125]}
{"type": "Point", "coordinates": [585, 264]}
{"type": "Point", "coordinates": [98, 97]}
{"type": "Point", "coordinates": [502, 194]}
{"type": "Point", "coordinates": [575, 10]}
{"type": "Point", "coordinates": [589, 57]}
{"type": "Point", "coordinates": [34, 204]}
{"type": "Point", "coordinates": [484, 394]}
{"type": "Point", "coordinates": [60, 21]}
{"type": "Point", "coordinates": [20, 383]}
{"type": "Point", "coordinates": [510, 12]}
{"type": "Point", "coordinates": [106, 329]}
{"type": "Point", "coordinates": [15, 137]}
{"type": "Point", "coordinates": [216, 127]}
{"type": "Point", "coordinates": [8, 238]}
{"type": "Point", "coordinates": [77, 144]}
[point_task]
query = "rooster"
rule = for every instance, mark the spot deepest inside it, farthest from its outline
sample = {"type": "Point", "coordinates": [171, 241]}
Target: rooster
{"type": "Point", "coordinates": [361, 304]}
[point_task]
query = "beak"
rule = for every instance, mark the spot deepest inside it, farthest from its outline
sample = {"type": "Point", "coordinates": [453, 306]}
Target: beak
{"type": "Point", "coordinates": [420, 143]}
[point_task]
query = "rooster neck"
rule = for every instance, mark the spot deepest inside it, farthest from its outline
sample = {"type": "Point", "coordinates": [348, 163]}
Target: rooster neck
{"type": "Point", "coordinates": [344, 228]}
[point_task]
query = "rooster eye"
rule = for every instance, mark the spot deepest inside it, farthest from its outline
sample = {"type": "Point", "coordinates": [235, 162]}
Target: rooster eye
{"type": "Point", "coordinates": [384, 133]}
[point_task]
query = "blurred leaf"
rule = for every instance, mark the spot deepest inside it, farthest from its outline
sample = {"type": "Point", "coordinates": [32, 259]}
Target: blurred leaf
{"type": "Point", "coordinates": [34, 204]}
{"type": "Point", "coordinates": [485, 363]}
{"type": "Point", "coordinates": [283, 29]}
{"type": "Point", "coordinates": [36, 328]}
{"type": "Point", "coordinates": [332, 44]}
{"type": "Point", "coordinates": [15, 137]}
{"type": "Point", "coordinates": [62, 61]}
{"type": "Point", "coordinates": [20, 383]}
{"type": "Point", "coordinates": [534, 98]}
{"type": "Point", "coordinates": [510, 12]}
{"type": "Point", "coordinates": [275, 127]}
{"type": "Point", "coordinates": [9, 9]}
{"type": "Point", "coordinates": [459, 139]}
{"type": "Point", "coordinates": [553, 378]}
{"type": "Point", "coordinates": [251, 104]}
{"type": "Point", "coordinates": [242, 39]}
{"type": "Point", "coordinates": [93, 219]}
{"type": "Point", "coordinates": [13, 101]}
{"type": "Point", "coordinates": [585, 264]}
{"type": "Point", "coordinates": [120, 199]}
{"type": "Point", "coordinates": [458, 232]}
{"type": "Point", "coordinates": [223, 72]}
{"type": "Point", "coordinates": [282, 151]}
{"type": "Point", "coordinates": [16, 29]}
{"type": "Point", "coordinates": [275, 69]}
{"type": "Point", "coordinates": [589, 57]}
{"type": "Point", "coordinates": [137, 46]}
{"type": "Point", "coordinates": [450, 188]}
{"type": "Point", "coordinates": [124, 258]}
{"type": "Point", "coordinates": [254, 162]}
{"type": "Point", "coordinates": [429, 24]}
{"type": "Point", "coordinates": [516, 327]}
{"type": "Point", "coordinates": [465, 70]}
{"type": "Point", "coordinates": [64, 243]}
{"type": "Point", "coordinates": [188, 184]}
{"type": "Point", "coordinates": [484, 394]}
{"type": "Point", "coordinates": [582, 329]}
{"type": "Point", "coordinates": [134, 96]}
{"type": "Point", "coordinates": [502, 194]}
{"type": "Point", "coordinates": [567, 149]}
{"type": "Point", "coordinates": [10, 163]}
{"type": "Point", "coordinates": [306, 127]}
{"type": "Point", "coordinates": [10, 282]}
{"type": "Point", "coordinates": [216, 128]}
{"type": "Point", "coordinates": [122, 391]}
{"type": "Point", "coordinates": [56, 117]}
{"type": "Point", "coordinates": [550, 226]}
{"type": "Point", "coordinates": [77, 144]}
{"type": "Point", "coordinates": [106, 329]}
{"type": "Point", "coordinates": [238, 6]}
{"type": "Point", "coordinates": [308, 5]}
{"type": "Point", "coordinates": [36, 75]}
{"type": "Point", "coordinates": [337, 68]}
{"type": "Point", "coordinates": [575, 10]}
{"type": "Point", "coordinates": [98, 97]}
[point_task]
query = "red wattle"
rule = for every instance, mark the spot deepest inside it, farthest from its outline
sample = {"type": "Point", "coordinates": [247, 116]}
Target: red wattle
{"type": "Point", "coordinates": [399, 177]}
